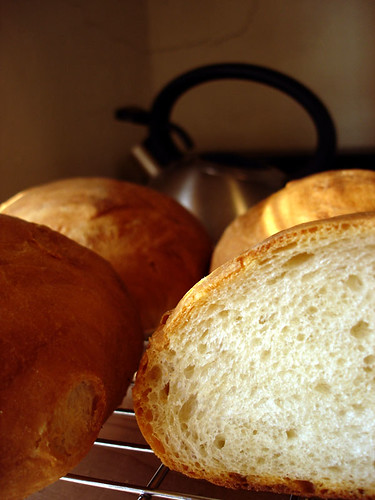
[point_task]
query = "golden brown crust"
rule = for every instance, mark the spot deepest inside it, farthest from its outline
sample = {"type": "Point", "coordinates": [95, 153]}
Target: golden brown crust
{"type": "Point", "coordinates": [319, 196]}
{"type": "Point", "coordinates": [70, 341]}
{"type": "Point", "coordinates": [157, 247]}
{"type": "Point", "coordinates": [340, 226]}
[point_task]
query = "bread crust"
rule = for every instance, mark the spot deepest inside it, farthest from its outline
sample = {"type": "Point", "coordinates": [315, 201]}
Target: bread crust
{"type": "Point", "coordinates": [318, 196]}
{"type": "Point", "coordinates": [166, 336]}
{"type": "Point", "coordinates": [70, 342]}
{"type": "Point", "coordinates": [155, 245]}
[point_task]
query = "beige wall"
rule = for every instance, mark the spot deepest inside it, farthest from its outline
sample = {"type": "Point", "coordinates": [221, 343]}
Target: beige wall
{"type": "Point", "coordinates": [329, 45]}
{"type": "Point", "coordinates": [65, 67]}
{"type": "Point", "coordinates": [66, 64]}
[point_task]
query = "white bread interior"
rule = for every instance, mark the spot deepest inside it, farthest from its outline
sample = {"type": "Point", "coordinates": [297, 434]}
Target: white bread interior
{"type": "Point", "coordinates": [263, 377]}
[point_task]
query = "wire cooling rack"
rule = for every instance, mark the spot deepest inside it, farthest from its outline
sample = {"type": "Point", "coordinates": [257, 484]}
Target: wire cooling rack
{"type": "Point", "coordinates": [151, 490]}
{"type": "Point", "coordinates": [122, 466]}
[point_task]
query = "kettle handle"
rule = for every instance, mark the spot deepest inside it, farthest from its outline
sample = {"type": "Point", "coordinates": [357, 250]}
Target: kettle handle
{"type": "Point", "coordinates": [160, 144]}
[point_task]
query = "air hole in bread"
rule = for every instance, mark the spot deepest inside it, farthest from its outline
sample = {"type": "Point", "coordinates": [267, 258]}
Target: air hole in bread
{"type": "Point", "coordinates": [360, 330]}
{"type": "Point", "coordinates": [291, 434]}
{"type": "Point", "coordinates": [223, 314]}
{"type": "Point", "coordinates": [164, 393]}
{"type": "Point", "coordinates": [189, 371]}
{"type": "Point", "coordinates": [202, 348]}
{"type": "Point", "coordinates": [358, 380]}
{"type": "Point", "coordinates": [149, 416]}
{"type": "Point", "coordinates": [155, 373]}
{"type": "Point", "coordinates": [262, 319]}
{"type": "Point", "coordinates": [298, 259]}
{"type": "Point", "coordinates": [265, 355]}
{"type": "Point", "coordinates": [322, 291]}
{"type": "Point", "coordinates": [219, 442]}
{"type": "Point", "coordinates": [187, 409]}
{"type": "Point", "coordinates": [312, 310]}
{"type": "Point", "coordinates": [309, 276]}
{"type": "Point", "coordinates": [305, 486]}
{"type": "Point", "coordinates": [255, 341]}
{"type": "Point", "coordinates": [202, 450]}
{"type": "Point", "coordinates": [358, 407]}
{"type": "Point", "coordinates": [275, 279]}
{"type": "Point", "coordinates": [323, 388]}
{"type": "Point", "coordinates": [369, 360]}
{"type": "Point", "coordinates": [354, 282]}
{"type": "Point", "coordinates": [290, 246]}
{"type": "Point", "coordinates": [334, 468]}
{"type": "Point", "coordinates": [212, 309]}
{"type": "Point", "coordinates": [264, 261]}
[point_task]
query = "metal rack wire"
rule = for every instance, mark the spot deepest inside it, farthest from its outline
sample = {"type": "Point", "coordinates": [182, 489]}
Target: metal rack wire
{"type": "Point", "coordinates": [154, 487]}
{"type": "Point", "coordinates": [151, 490]}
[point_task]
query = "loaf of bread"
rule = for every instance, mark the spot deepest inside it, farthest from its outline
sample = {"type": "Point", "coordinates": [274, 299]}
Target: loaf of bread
{"type": "Point", "coordinates": [70, 342]}
{"type": "Point", "coordinates": [319, 196]}
{"type": "Point", "coordinates": [156, 246]}
{"type": "Point", "coordinates": [263, 377]}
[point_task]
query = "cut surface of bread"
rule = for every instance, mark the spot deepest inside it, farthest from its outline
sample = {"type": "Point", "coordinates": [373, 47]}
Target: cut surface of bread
{"type": "Point", "coordinates": [318, 196]}
{"type": "Point", "coordinates": [263, 377]}
{"type": "Point", "coordinates": [70, 342]}
{"type": "Point", "coordinates": [156, 246]}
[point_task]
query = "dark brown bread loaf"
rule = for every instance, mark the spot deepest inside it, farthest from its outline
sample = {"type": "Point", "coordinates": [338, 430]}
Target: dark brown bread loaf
{"type": "Point", "coordinates": [156, 246]}
{"type": "Point", "coordinates": [70, 342]}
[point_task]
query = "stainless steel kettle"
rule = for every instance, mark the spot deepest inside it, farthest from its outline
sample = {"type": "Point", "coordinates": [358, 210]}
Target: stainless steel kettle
{"type": "Point", "coordinates": [214, 191]}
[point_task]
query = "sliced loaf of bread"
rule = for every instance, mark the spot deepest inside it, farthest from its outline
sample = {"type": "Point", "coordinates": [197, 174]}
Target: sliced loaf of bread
{"type": "Point", "coordinates": [263, 376]}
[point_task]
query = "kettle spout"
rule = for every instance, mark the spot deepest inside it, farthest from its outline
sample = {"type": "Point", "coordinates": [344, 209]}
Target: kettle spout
{"type": "Point", "coordinates": [146, 160]}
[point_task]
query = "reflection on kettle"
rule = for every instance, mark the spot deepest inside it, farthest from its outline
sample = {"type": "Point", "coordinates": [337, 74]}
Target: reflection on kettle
{"type": "Point", "coordinates": [219, 188]}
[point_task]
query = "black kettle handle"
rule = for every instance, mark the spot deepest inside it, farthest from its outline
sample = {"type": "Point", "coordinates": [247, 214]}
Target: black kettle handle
{"type": "Point", "coordinates": [159, 141]}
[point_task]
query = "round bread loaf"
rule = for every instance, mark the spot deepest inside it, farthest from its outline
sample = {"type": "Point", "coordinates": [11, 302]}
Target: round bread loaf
{"type": "Point", "coordinates": [156, 246]}
{"type": "Point", "coordinates": [70, 342]}
{"type": "Point", "coordinates": [263, 376]}
{"type": "Point", "coordinates": [319, 196]}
